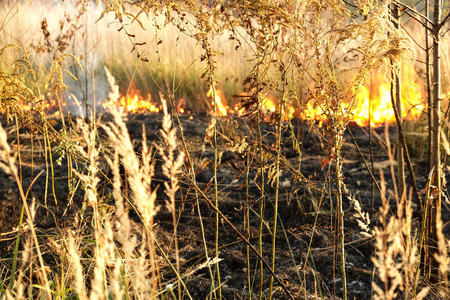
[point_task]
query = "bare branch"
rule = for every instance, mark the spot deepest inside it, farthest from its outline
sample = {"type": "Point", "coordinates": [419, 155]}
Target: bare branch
{"type": "Point", "coordinates": [447, 17]}
{"type": "Point", "coordinates": [415, 42]}
{"type": "Point", "coordinates": [414, 12]}
{"type": "Point", "coordinates": [350, 4]}
{"type": "Point", "coordinates": [418, 20]}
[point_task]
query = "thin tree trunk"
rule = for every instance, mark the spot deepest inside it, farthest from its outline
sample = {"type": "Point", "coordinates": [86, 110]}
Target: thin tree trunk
{"type": "Point", "coordinates": [435, 150]}
{"type": "Point", "coordinates": [429, 96]}
{"type": "Point", "coordinates": [424, 254]}
{"type": "Point", "coordinates": [398, 102]}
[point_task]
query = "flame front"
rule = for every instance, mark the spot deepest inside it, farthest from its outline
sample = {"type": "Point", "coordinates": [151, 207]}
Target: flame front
{"type": "Point", "coordinates": [134, 103]}
{"type": "Point", "coordinates": [373, 101]}
{"type": "Point", "coordinates": [377, 101]}
{"type": "Point", "coordinates": [374, 98]}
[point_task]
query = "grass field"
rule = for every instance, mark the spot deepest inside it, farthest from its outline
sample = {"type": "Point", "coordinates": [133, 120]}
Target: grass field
{"type": "Point", "coordinates": [295, 193]}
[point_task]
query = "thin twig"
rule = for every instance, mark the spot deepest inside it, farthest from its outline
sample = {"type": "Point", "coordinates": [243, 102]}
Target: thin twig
{"type": "Point", "coordinates": [264, 262]}
{"type": "Point", "coordinates": [406, 153]}
{"type": "Point", "coordinates": [415, 12]}
{"type": "Point", "coordinates": [367, 166]}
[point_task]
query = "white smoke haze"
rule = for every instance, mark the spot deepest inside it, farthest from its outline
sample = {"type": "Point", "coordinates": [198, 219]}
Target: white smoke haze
{"type": "Point", "coordinates": [99, 44]}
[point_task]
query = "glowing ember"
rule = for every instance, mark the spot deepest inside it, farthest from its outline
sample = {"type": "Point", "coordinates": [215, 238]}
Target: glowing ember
{"type": "Point", "coordinates": [269, 104]}
{"type": "Point", "coordinates": [180, 106]}
{"type": "Point", "coordinates": [237, 110]}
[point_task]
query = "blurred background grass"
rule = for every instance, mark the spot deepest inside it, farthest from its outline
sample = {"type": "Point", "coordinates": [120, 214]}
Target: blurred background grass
{"type": "Point", "coordinates": [99, 44]}
{"type": "Point", "coordinates": [74, 27]}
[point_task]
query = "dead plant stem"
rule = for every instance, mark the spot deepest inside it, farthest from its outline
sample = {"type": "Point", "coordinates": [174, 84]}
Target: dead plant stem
{"type": "Point", "coordinates": [191, 176]}
{"type": "Point", "coordinates": [412, 176]}
{"type": "Point", "coordinates": [245, 240]}
{"type": "Point", "coordinates": [247, 226]}
{"type": "Point", "coordinates": [216, 187]}
{"type": "Point", "coordinates": [19, 157]}
{"type": "Point", "coordinates": [277, 183]}
{"type": "Point", "coordinates": [33, 234]}
{"type": "Point", "coordinates": [341, 217]}
{"type": "Point", "coordinates": [261, 198]}
{"type": "Point", "coordinates": [374, 181]}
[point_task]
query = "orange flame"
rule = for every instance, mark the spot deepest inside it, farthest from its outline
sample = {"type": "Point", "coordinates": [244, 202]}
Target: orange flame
{"type": "Point", "coordinates": [49, 105]}
{"type": "Point", "coordinates": [374, 97]}
{"type": "Point", "coordinates": [271, 104]}
{"type": "Point", "coordinates": [217, 96]}
{"type": "Point", "coordinates": [378, 101]}
{"type": "Point", "coordinates": [134, 103]}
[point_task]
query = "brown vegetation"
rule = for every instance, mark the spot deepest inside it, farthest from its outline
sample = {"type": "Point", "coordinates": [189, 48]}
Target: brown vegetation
{"type": "Point", "coordinates": [255, 205]}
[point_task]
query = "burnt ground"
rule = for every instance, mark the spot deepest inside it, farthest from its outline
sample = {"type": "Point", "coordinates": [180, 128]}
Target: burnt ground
{"type": "Point", "coordinates": [304, 212]}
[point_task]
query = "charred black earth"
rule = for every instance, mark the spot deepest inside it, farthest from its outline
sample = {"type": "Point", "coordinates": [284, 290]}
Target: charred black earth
{"type": "Point", "coordinates": [306, 255]}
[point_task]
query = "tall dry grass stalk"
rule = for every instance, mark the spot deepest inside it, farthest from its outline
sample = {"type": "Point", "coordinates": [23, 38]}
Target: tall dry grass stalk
{"type": "Point", "coordinates": [171, 169]}
{"type": "Point", "coordinates": [140, 173]}
{"type": "Point", "coordinates": [397, 247]}
{"type": "Point", "coordinates": [122, 266]}
{"type": "Point", "coordinates": [396, 253]}
{"type": "Point", "coordinates": [8, 165]}
{"type": "Point", "coordinates": [104, 249]}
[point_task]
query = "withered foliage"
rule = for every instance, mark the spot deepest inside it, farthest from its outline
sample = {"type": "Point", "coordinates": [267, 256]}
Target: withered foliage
{"type": "Point", "coordinates": [298, 52]}
{"type": "Point", "coordinates": [303, 53]}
